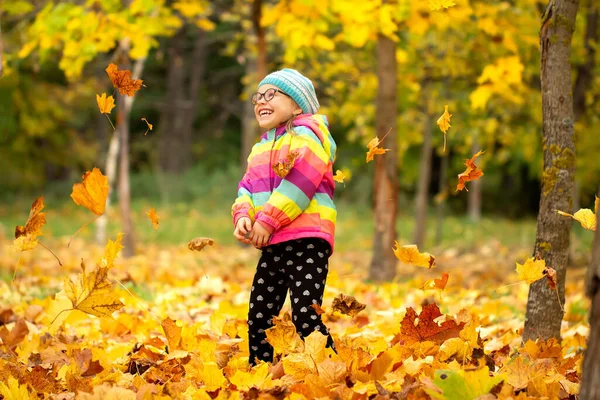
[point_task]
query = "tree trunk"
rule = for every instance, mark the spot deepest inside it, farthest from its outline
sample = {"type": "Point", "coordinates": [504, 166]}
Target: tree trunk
{"type": "Point", "coordinates": [111, 173]}
{"type": "Point", "coordinates": [184, 80]}
{"type": "Point", "coordinates": [590, 384]}
{"type": "Point", "coordinates": [544, 313]}
{"type": "Point", "coordinates": [474, 199]}
{"type": "Point", "coordinates": [385, 191]}
{"type": "Point", "coordinates": [441, 205]}
{"type": "Point", "coordinates": [422, 195]}
{"type": "Point", "coordinates": [1, 51]}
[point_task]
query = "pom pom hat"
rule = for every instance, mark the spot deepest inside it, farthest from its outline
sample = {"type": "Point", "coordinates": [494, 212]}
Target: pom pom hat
{"type": "Point", "coordinates": [295, 85]}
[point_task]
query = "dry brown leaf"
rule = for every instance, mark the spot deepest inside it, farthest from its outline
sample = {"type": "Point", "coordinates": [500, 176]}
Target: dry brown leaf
{"type": "Point", "coordinates": [121, 80]}
{"type": "Point", "coordinates": [199, 243]}
{"type": "Point", "coordinates": [347, 305]}
{"type": "Point", "coordinates": [281, 169]}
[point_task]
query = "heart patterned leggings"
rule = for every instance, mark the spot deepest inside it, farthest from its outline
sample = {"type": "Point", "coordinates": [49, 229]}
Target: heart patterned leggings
{"type": "Point", "coordinates": [300, 266]}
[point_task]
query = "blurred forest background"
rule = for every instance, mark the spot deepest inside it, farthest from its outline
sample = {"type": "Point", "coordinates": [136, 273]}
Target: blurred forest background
{"type": "Point", "coordinates": [200, 61]}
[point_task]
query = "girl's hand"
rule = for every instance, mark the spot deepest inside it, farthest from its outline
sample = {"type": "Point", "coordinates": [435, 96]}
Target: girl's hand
{"type": "Point", "coordinates": [242, 228]}
{"type": "Point", "coordinates": [259, 236]}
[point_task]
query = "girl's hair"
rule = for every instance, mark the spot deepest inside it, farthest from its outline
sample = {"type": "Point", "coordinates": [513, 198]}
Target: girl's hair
{"type": "Point", "coordinates": [289, 125]}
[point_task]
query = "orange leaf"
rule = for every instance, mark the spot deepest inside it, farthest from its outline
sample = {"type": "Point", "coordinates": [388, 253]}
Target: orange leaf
{"type": "Point", "coordinates": [172, 333]}
{"type": "Point", "coordinates": [317, 309]}
{"type": "Point", "coordinates": [92, 193]}
{"type": "Point", "coordinates": [281, 169]}
{"type": "Point", "coordinates": [437, 284]}
{"type": "Point", "coordinates": [105, 104]}
{"type": "Point", "coordinates": [153, 217]}
{"type": "Point", "coordinates": [347, 305]}
{"type": "Point", "coordinates": [374, 150]}
{"type": "Point", "coordinates": [121, 79]}
{"type": "Point", "coordinates": [149, 126]}
{"type": "Point", "coordinates": [199, 243]}
{"type": "Point", "coordinates": [551, 277]}
{"type": "Point", "coordinates": [426, 329]}
{"type": "Point", "coordinates": [409, 254]}
{"type": "Point", "coordinates": [472, 173]}
{"type": "Point", "coordinates": [26, 236]}
{"type": "Point", "coordinates": [532, 270]}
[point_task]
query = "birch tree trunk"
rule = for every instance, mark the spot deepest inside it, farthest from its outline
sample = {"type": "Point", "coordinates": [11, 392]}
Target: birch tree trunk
{"type": "Point", "coordinates": [474, 199]}
{"type": "Point", "coordinates": [544, 313]}
{"type": "Point", "coordinates": [385, 191]}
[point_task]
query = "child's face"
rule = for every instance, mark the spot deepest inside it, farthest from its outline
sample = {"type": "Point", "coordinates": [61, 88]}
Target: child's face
{"type": "Point", "coordinates": [273, 113]}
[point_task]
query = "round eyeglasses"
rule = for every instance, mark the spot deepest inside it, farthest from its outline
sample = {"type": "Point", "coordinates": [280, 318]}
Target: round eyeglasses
{"type": "Point", "coordinates": [267, 95]}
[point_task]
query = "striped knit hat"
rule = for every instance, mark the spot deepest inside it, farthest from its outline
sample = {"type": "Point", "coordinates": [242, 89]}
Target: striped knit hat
{"type": "Point", "coordinates": [295, 85]}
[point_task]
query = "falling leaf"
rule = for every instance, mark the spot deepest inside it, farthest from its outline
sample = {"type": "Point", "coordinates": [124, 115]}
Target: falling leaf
{"type": "Point", "coordinates": [111, 251]}
{"type": "Point", "coordinates": [374, 150]}
{"type": "Point", "coordinates": [283, 336]}
{"type": "Point", "coordinates": [586, 217]}
{"type": "Point", "coordinates": [472, 173]}
{"type": "Point", "coordinates": [532, 270]}
{"type": "Point", "coordinates": [153, 217]}
{"type": "Point", "coordinates": [199, 243]}
{"type": "Point", "coordinates": [26, 236]}
{"type": "Point", "coordinates": [149, 126]}
{"type": "Point", "coordinates": [347, 305]}
{"type": "Point", "coordinates": [172, 333]}
{"type": "Point", "coordinates": [317, 309]}
{"type": "Point", "coordinates": [92, 193]}
{"type": "Point", "coordinates": [105, 104]}
{"type": "Point", "coordinates": [436, 284]}
{"type": "Point", "coordinates": [93, 293]}
{"type": "Point", "coordinates": [435, 5]}
{"type": "Point", "coordinates": [444, 122]}
{"type": "Point", "coordinates": [281, 169]}
{"type": "Point", "coordinates": [409, 254]}
{"type": "Point", "coordinates": [121, 79]}
{"type": "Point", "coordinates": [551, 277]}
{"type": "Point", "coordinates": [339, 176]}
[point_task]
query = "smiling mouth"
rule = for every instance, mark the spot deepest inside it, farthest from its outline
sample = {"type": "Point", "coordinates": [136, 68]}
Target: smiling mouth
{"type": "Point", "coordinates": [265, 113]}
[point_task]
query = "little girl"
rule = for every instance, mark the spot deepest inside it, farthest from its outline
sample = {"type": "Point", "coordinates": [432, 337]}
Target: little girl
{"type": "Point", "coordinates": [290, 218]}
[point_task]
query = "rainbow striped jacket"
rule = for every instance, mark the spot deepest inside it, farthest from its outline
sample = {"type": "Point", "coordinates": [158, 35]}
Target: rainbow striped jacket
{"type": "Point", "coordinates": [301, 204]}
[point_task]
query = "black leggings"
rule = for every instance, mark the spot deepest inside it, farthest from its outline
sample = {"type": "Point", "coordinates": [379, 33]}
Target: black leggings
{"type": "Point", "coordinates": [300, 266]}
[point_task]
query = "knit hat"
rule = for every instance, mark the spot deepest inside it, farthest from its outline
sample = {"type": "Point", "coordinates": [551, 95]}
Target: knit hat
{"type": "Point", "coordinates": [295, 85]}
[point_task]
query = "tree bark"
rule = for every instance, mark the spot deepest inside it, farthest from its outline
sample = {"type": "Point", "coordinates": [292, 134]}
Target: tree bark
{"type": "Point", "coordinates": [184, 80]}
{"type": "Point", "coordinates": [474, 199]}
{"type": "Point", "coordinates": [1, 50]}
{"type": "Point", "coordinates": [590, 384]}
{"type": "Point", "coordinates": [441, 206]}
{"type": "Point", "coordinates": [385, 191]}
{"type": "Point", "coordinates": [544, 313]}
{"type": "Point", "coordinates": [422, 195]}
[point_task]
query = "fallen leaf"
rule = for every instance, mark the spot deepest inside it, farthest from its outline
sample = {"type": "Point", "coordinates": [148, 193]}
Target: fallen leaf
{"type": "Point", "coordinates": [435, 5]}
{"type": "Point", "coordinates": [199, 243]}
{"type": "Point", "coordinates": [283, 336]}
{"type": "Point", "coordinates": [464, 385]}
{"type": "Point", "coordinates": [426, 329]}
{"type": "Point", "coordinates": [121, 79]}
{"type": "Point", "coordinates": [551, 277]}
{"type": "Point", "coordinates": [153, 217]}
{"type": "Point", "coordinates": [105, 104]}
{"type": "Point", "coordinates": [149, 126]}
{"type": "Point", "coordinates": [26, 236]}
{"type": "Point", "coordinates": [347, 305]}
{"type": "Point", "coordinates": [444, 121]}
{"type": "Point", "coordinates": [532, 270]}
{"type": "Point", "coordinates": [12, 390]}
{"type": "Point", "coordinates": [16, 335]}
{"type": "Point", "coordinates": [472, 173]}
{"type": "Point", "coordinates": [409, 254]}
{"type": "Point", "coordinates": [92, 193]}
{"type": "Point", "coordinates": [283, 168]}
{"type": "Point", "coordinates": [172, 333]}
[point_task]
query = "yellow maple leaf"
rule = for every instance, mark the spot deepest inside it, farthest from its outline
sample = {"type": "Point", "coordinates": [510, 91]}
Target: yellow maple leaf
{"type": "Point", "coordinates": [409, 254]}
{"type": "Point", "coordinates": [258, 377]}
{"type": "Point", "coordinates": [12, 390]}
{"type": "Point", "coordinates": [586, 217]}
{"type": "Point", "coordinates": [212, 376]}
{"type": "Point", "coordinates": [153, 217]}
{"type": "Point", "coordinates": [26, 236]}
{"type": "Point", "coordinates": [283, 336]}
{"type": "Point", "coordinates": [462, 346]}
{"type": "Point", "coordinates": [92, 193]}
{"type": "Point", "coordinates": [374, 150]}
{"type": "Point", "coordinates": [301, 364]}
{"type": "Point", "coordinates": [532, 270]}
{"type": "Point", "coordinates": [444, 123]}
{"type": "Point", "coordinates": [111, 251]}
{"type": "Point", "coordinates": [339, 176]}
{"type": "Point", "coordinates": [439, 4]}
{"type": "Point", "coordinates": [93, 293]}
{"type": "Point", "coordinates": [105, 104]}
{"type": "Point", "coordinates": [172, 333]}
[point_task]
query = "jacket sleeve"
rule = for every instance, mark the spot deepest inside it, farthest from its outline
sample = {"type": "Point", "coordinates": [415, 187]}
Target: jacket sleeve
{"type": "Point", "coordinates": [297, 189]}
{"type": "Point", "coordinates": [243, 205]}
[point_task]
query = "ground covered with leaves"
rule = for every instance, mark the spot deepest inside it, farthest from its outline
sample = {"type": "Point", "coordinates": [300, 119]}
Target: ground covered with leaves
{"type": "Point", "coordinates": [182, 331]}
